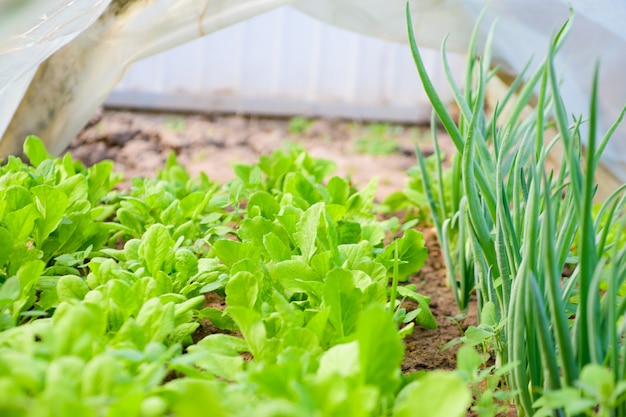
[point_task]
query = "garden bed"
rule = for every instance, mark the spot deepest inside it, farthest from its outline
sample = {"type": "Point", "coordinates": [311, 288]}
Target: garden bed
{"type": "Point", "coordinates": [139, 144]}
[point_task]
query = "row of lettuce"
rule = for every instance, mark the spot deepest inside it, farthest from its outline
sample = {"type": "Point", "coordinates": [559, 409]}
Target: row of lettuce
{"type": "Point", "coordinates": [104, 295]}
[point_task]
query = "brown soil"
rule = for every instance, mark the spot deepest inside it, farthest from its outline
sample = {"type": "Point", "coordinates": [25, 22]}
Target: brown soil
{"type": "Point", "coordinates": [140, 142]}
{"type": "Point", "coordinates": [423, 347]}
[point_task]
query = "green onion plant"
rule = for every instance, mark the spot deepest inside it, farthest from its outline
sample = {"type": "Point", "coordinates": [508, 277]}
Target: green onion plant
{"type": "Point", "coordinates": [514, 226]}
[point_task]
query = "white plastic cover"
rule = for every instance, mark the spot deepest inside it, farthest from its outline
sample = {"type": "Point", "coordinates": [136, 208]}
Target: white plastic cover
{"type": "Point", "coordinates": [523, 30]}
{"type": "Point", "coordinates": [69, 86]}
{"type": "Point", "coordinates": [75, 80]}
{"type": "Point", "coordinates": [39, 28]}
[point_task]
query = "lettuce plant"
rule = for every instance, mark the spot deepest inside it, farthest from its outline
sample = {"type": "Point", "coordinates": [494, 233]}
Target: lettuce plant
{"type": "Point", "coordinates": [102, 293]}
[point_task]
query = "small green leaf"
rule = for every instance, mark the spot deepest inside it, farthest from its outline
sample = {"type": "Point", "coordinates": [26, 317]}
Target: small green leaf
{"type": "Point", "coordinates": [252, 329]}
{"type": "Point", "coordinates": [23, 253]}
{"type": "Point", "coordinates": [231, 252]}
{"type": "Point", "coordinates": [67, 165]}
{"type": "Point", "coordinates": [157, 320]}
{"type": "Point", "coordinates": [306, 235]}
{"type": "Point", "coordinates": [344, 300]}
{"type": "Point", "coordinates": [252, 176]}
{"type": "Point", "coordinates": [242, 290]}
{"type": "Point", "coordinates": [363, 201]}
{"type": "Point", "coordinates": [436, 394]}
{"type": "Point", "coordinates": [188, 305]}
{"type": "Point", "coordinates": [411, 251]}
{"type": "Point", "coordinates": [51, 204]}
{"type": "Point", "coordinates": [164, 283]}
{"type": "Point", "coordinates": [424, 316]}
{"type": "Point", "coordinates": [321, 263]}
{"type": "Point", "coordinates": [349, 232]}
{"type": "Point", "coordinates": [340, 361]}
{"type": "Point", "coordinates": [373, 233]}
{"type": "Point", "coordinates": [20, 223]}
{"type": "Point", "coordinates": [277, 248]}
{"type": "Point", "coordinates": [190, 395]}
{"type": "Point", "coordinates": [380, 349]}
{"type": "Point", "coordinates": [335, 212]}
{"type": "Point", "coordinates": [6, 320]}
{"type": "Point", "coordinates": [193, 204]}
{"type": "Point", "coordinates": [75, 329]}
{"type": "Point", "coordinates": [131, 220]}
{"type": "Point", "coordinates": [301, 187]}
{"type": "Point", "coordinates": [123, 296]}
{"type": "Point", "coordinates": [156, 247]}
{"type": "Point", "coordinates": [9, 291]}
{"type": "Point", "coordinates": [252, 230]}
{"type": "Point", "coordinates": [172, 214]}
{"type": "Point", "coordinates": [375, 270]}
{"type": "Point", "coordinates": [568, 398]}
{"type": "Point", "coordinates": [153, 407]}
{"type": "Point", "coordinates": [35, 150]}
{"type": "Point", "coordinates": [28, 274]}
{"type": "Point", "coordinates": [64, 375]}
{"type": "Point", "coordinates": [17, 197]}
{"type": "Point", "coordinates": [131, 249]}
{"type": "Point", "coordinates": [99, 179]}
{"type": "Point", "coordinates": [468, 360]}
{"type": "Point", "coordinates": [477, 335]}
{"type": "Point", "coordinates": [598, 380]}
{"type": "Point", "coordinates": [182, 333]}
{"type": "Point", "coordinates": [220, 319]}
{"type": "Point", "coordinates": [71, 287]}
{"type": "Point", "coordinates": [302, 338]}
{"type": "Point", "coordinates": [267, 205]}
{"type": "Point", "coordinates": [75, 188]}
{"type": "Point", "coordinates": [100, 376]}
{"type": "Point", "coordinates": [488, 314]}
{"type": "Point", "coordinates": [220, 355]}
{"type": "Point", "coordinates": [355, 254]}
{"type": "Point", "coordinates": [296, 277]}
{"type": "Point", "coordinates": [339, 190]}
{"type": "Point", "coordinates": [6, 247]}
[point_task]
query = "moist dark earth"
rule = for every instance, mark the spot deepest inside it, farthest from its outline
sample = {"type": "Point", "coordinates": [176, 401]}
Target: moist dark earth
{"type": "Point", "coordinates": [139, 144]}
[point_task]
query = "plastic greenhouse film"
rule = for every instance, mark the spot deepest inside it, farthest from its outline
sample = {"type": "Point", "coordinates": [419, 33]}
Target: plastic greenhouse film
{"type": "Point", "coordinates": [38, 29]}
{"type": "Point", "coordinates": [523, 29]}
{"type": "Point", "coordinates": [69, 86]}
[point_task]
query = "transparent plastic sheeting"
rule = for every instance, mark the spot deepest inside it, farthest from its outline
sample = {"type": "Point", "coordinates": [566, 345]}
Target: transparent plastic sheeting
{"type": "Point", "coordinates": [31, 31]}
{"type": "Point", "coordinates": [71, 83]}
{"type": "Point", "coordinates": [69, 86]}
{"type": "Point", "coordinates": [523, 30]}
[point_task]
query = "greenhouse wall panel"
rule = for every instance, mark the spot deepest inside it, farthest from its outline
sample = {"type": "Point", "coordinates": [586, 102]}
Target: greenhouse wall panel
{"type": "Point", "coordinates": [286, 63]}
